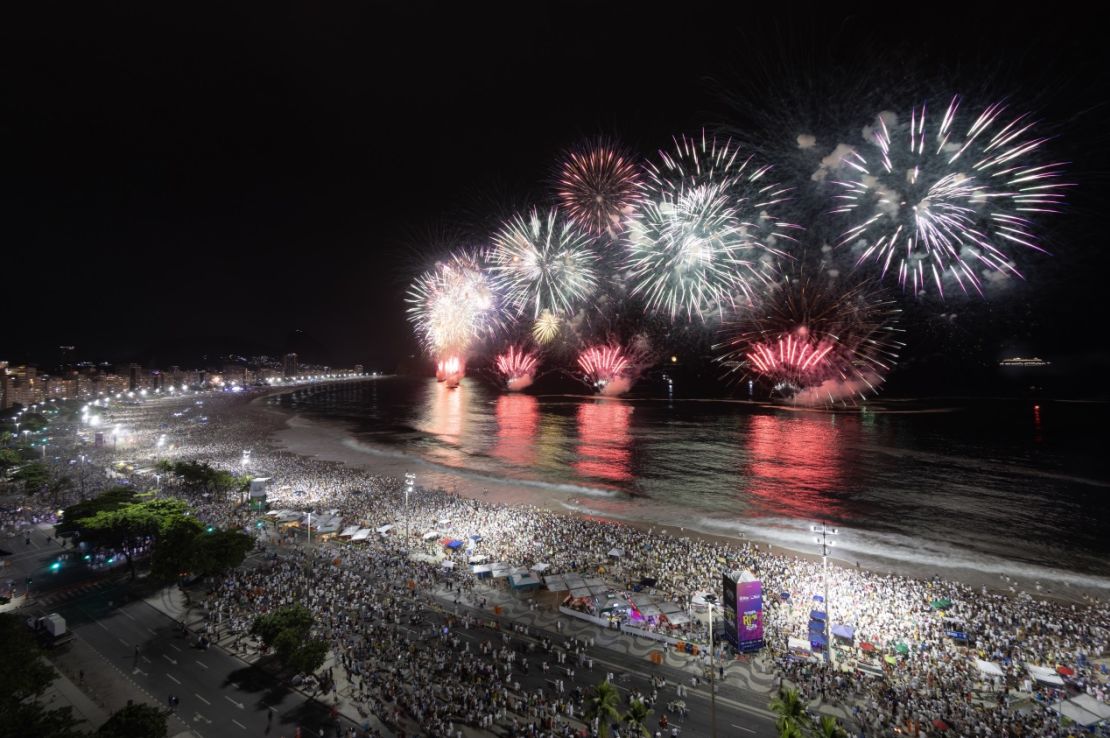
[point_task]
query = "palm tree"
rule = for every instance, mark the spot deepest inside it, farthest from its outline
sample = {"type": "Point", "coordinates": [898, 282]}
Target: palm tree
{"type": "Point", "coordinates": [603, 706]}
{"type": "Point", "coordinates": [637, 716]}
{"type": "Point", "coordinates": [828, 727]}
{"type": "Point", "coordinates": [790, 712]}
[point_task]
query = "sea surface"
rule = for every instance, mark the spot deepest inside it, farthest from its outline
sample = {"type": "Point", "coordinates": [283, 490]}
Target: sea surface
{"type": "Point", "coordinates": [1001, 487]}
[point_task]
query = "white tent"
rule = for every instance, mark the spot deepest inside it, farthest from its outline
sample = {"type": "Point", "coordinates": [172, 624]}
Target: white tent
{"type": "Point", "coordinates": [362, 535]}
{"type": "Point", "coordinates": [989, 668]}
{"type": "Point", "coordinates": [677, 618]}
{"type": "Point", "coordinates": [430, 535]}
{"type": "Point", "coordinates": [349, 531]}
{"type": "Point", "coordinates": [556, 583]}
{"type": "Point", "coordinates": [478, 559]}
{"type": "Point", "coordinates": [445, 521]}
{"type": "Point", "coordinates": [798, 644]}
{"type": "Point", "coordinates": [616, 553]}
{"type": "Point", "coordinates": [541, 567]}
{"type": "Point", "coordinates": [448, 564]}
{"type": "Point", "coordinates": [1072, 711]}
{"type": "Point", "coordinates": [385, 529]}
{"type": "Point", "coordinates": [1090, 704]}
{"type": "Point", "coordinates": [480, 569]}
{"type": "Point", "coordinates": [1045, 675]}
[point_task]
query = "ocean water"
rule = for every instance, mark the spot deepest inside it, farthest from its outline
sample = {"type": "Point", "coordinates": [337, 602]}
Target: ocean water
{"type": "Point", "coordinates": [997, 486]}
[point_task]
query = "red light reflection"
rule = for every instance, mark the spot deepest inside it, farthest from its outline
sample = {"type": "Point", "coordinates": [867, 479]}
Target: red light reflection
{"type": "Point", "coordinates": [518, 418]}
{"type": "Point", "coordinates": [604, 442]}
{"type": "Point", "coordinates": [795, 463]}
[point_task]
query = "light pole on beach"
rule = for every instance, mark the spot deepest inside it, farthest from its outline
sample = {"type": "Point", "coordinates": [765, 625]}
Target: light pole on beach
{"type": "Point", "coordinates": [711, 600]}
{"type": "Point", "coordinates": [823, 532]}
{"type": "Point", "coordinates": [410, 480]}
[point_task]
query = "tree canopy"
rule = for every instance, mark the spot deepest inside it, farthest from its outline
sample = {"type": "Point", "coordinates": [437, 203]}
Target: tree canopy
{"type": "Point", "coordinates": [287, 630]}
{"type": "Point", "coordinates": [135, 721]}
{"type": "Point", "coordinates": [24, 677]}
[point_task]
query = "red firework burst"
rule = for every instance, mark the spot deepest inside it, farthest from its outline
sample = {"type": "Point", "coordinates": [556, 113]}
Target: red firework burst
{"type": "Point", "coordinates": [598, 187]}
{"type": "Point", "coordinates": [516, 363]}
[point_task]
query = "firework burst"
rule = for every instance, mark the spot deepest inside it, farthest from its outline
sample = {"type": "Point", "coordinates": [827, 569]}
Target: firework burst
{"type": "Point", "coordinates": [598, 188]}
{"type": "Point", "coordinates": [517, 367]}
{"type": "Point", "coordinates": [543, 264]}
{"type": "Point", "coordinates": [546, 327]}
{"type": "Point", "coordinates": [947, 197]}
{"type": "Point", "coordinates": [608, 368]}
{"type": "Point", "coordinates": [701, 242]}
{"type": "Point", "coordinates": [452, 305]}
{"type": "Point", "coordinates": [817, 343]}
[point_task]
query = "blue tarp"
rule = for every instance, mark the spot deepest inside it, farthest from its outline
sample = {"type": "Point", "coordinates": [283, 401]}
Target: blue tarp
{"type": "Point", "coordinates": [846, 632]}
{"type": "Point", "coordinates": [475, 537]}
{"type": "Point", "coordinates": [816, 626]}
{"type": "Point", "coordinates": [785, 595]}
{"type": "Point", "coordinates": [454, 544]}
{"type": "Point", "coordinates": [816, 639]}
{"type": "Point", "coordinates": [818, 598]}
{"type": "Point", "coordinates": [817, 615]}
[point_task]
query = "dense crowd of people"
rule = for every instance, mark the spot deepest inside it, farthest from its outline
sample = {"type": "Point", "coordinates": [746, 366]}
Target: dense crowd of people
{"type": "Point", "coordinates": [915, 675]}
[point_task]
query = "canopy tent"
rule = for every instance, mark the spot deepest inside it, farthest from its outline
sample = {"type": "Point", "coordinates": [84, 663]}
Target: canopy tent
{"type": "Point", "coordinates": [556, 583]}
{"type": "Point", "coordinates": [481, 570]}
{"type": "Point", "coordinates": [454, 544]}
{"type": "Point", "coordinates": [818, 598]}
{"type": "Point", "coordinates": [541, 567]}
{"type": "Point", "coordinates": [448, 564]}
{"type": "Point", "coordinates": [445, 521]}
{"type": "Point", "coordinates": [349, 531]}
{"type": "Point", "coordinates": [816, 615]}
{"type": "Point", "coordinates": [429, 535]}
{"type": "Point", "coordinates": [1076, 713]}
{"type": "Point", "coordinates": [1090, 704]}
{"type": "Point", "coordinates": [649, 611]}
{"type": "Point", "coordinates": [385, 528]}
{"type": "Point", "coordinates": [867, 647]}
{"type": "Point", "coordinates": [361, 535]}
{"type": "Point", "coordinates": [940, 724]}
{"type": "Point", "coordinates": [1045, 675]}
{"type": "Point", "coordinates": [478, 559]}
{"type": "Point", "coordinates": [616, 553]}
{"type": "Point", "coordinates": [523, 581]}
{"type": "Point", "coordinates": [846, 632]}
{"type": "Point", "coordinates": [798, 644]}
{"type": "Point", "coordinates": [941, 603]}
{"type": "Point", "coordinates": [901, 649]}
{"type": "Point", "coordinates": [818, 640]}
{"type": "Point", "coordinates": [676, 618]}
{"type": "Point", "coordinates": [989, 668]}
{"type": "Point", "coordinates": [784, 596]}
{"type": "Point", "coordinates": [475, 537]}
{"type": "Point", "coordinates": [1065, 671]}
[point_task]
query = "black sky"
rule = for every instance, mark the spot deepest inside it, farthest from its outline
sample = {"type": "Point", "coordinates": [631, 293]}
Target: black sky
{"type": "Point", "coordinates": [177, 176]}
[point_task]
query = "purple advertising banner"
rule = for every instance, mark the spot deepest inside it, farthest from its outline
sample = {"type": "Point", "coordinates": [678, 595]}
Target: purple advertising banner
{"type": "Point", "coordinates": [749, 612]}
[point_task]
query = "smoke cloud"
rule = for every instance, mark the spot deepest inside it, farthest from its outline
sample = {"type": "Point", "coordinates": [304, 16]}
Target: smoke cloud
{"type": "Point", "coordinates": [516, 384]}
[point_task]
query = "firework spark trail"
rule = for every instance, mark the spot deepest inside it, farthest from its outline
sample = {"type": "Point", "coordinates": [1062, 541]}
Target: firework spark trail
{"type": "Point", "coordinates": [599, 187]}
{"type": "Point", "coordinates": [546, 327]}
{"type": "Point", "coordinates": [815, 341]}
{"type": "Point", "coordinates": [700, 243]}
{"type": "Point", "coordinates": [543, 263]}
{"type": "Point", "coordinates": [603, 364]}
{"type": "Point", "coordinates": [452, 305]}
{"type": "Point", "coordinates": [516, 363]}
{"type": "Point", "coordinates": [948, 199]}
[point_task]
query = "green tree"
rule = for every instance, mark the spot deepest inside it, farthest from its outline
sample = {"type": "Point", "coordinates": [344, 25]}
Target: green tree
{"type": "Point", "coordinates": [119, 520]}
{"type": "Point", "coordinates": [24, 677]}
{"type": "Point", "coordinates": [175, 549]}
{"type": "Point", "coordinates": [603, 704]}
{"type": "Point", "coordinates": [135, 721]}
{"type": "Point", "coordinates": [790, 713]}
{"type": "Point", "coordinates": [637, 717]}
{"type": "Point", "coordinates": [828, 727]}
{"type": "Point", "coordinates": [8, 458]}
{"type": "Point", "coordinates": [287, 630]}
{"type": "Point", "coordinates": [32, 477]}
{"type": "Point", "coordinates": [111, 499]}
{"type": "Point", "coordinates": [215, 553]}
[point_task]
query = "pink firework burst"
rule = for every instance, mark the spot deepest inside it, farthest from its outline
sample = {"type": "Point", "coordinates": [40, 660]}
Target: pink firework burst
{"type": "Point", "coordinates": [598, 187]}
{"type": "Point", "coordinates": [516, 363]}
{"type": "Point", "coordinates": [603, 364]}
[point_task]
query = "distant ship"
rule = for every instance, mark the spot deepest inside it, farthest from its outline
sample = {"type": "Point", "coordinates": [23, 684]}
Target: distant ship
{"type": "Point", "coordinates": [1019, 361]}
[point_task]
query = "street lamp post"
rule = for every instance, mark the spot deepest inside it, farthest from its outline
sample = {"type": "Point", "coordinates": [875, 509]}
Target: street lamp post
{"type": "Point", "coordinates": [711, 600]}
{"type": "Point", "coordinates": [823, 538]}
{"type": "Point", "coordinates": [410, 480]}
{"type": "Point", "coordinates": [310, 528]}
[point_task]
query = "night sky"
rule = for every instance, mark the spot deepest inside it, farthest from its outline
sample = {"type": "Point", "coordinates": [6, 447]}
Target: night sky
{"type": "Point", "coordinates": [175, 181]}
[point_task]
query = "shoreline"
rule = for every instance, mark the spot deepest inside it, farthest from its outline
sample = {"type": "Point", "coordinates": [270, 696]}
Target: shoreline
{"type": "Point", "coordinates": [334, 441]}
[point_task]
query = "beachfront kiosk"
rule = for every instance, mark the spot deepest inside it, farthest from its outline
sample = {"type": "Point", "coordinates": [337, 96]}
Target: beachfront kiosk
{"type": "Point", "coordinates": [743, 610]}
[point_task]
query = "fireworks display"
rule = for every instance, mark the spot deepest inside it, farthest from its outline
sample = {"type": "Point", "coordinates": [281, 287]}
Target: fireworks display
{"type": "Point", "coordinates": [517, 367]}
{"type": "Point", "coordinates": [452, 305]}
{"type": "Point", "coordinates": [816, 343]}
{"type": "Point", "coordinates": [947, 197]}
{"type": "Point", "coordinates": [607, 368]}
{"type": "Point", "coordinates": [598, 188]}
{"type": "Point", "coordinates": [543, 263]}
{"type": "Point", "coordinates": [695, 240]}
{"type": "Point", "coordinates": [702, 242]}
{"type": "Point", "coordinates": [546, 327]}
